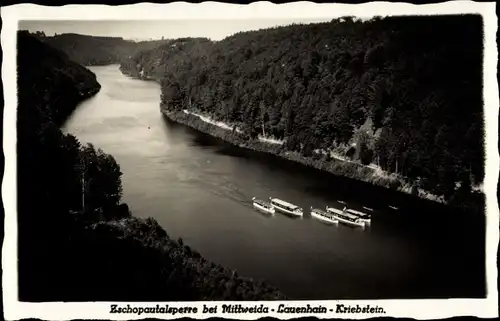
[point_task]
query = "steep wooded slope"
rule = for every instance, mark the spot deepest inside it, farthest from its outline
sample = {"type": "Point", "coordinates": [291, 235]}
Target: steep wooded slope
{"type": "Point", "coordinates": [402, 93]}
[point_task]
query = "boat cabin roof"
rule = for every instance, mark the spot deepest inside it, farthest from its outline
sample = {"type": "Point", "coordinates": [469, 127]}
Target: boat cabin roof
{"type": "Point", "coordinates": [320, 211]}
{"type": "Point", "coordinates": [281, 202]}
{"type": "Point", "coordinates": [358, 213]}
{"type": "Point", "coordinates": [259, 201]}
{"type": "Point", "coordinates": [350, 215]}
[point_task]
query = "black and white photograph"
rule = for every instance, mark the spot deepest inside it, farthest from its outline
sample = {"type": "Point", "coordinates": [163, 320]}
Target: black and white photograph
{"type": "Point", "coordinates": [168, 161]}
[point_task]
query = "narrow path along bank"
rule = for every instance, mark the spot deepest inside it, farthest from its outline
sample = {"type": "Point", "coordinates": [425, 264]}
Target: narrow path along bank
{"type": "Point", "coordinates": [347, 169]}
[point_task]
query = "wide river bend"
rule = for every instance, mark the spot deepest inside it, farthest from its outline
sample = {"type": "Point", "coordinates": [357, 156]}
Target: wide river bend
{"type": "Point", "coordinates": [200, 189]}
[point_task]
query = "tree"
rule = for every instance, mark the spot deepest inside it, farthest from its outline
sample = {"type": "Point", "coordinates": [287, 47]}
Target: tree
{"type": "Point", "coordinates": [102, 184]}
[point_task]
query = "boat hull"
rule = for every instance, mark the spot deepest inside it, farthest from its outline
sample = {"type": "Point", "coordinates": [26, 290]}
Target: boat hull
{"type": "Point", "coordinates": [324, 219]}
{"type": "Point", "coordinates": [351, 223]}
{"type": "Point", "coordinates": [264, 209]}
{"type": "Point", "coordinates": [362, 216]}
{"type": "Point", "coordinates": [282, 210]}
{"type": "Point", "coordinates": [335, 213]}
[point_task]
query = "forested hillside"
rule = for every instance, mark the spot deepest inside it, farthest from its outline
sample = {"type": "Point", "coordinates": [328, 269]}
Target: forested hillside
{"type": "Point", "coordinates": [83, 248]}
{"type": "Point", "coordinates": [96, 51]}
{"type": "Point", "coordinates": [403, 94]}
{"type": "Point", "coordinates": [152, 63]}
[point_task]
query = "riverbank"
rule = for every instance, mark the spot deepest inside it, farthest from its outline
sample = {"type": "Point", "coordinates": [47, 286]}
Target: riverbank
{"type": "Point", "coordinates": [141, 75]}
{"type": "Point", "coordinates": [333, 165]}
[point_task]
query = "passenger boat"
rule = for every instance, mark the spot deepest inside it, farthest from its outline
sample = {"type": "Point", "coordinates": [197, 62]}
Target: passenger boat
{"type": "Point", "coordinates": [263, 206]}
{"type": "Point", "coordinates": [344, 217]}
{"type": "Point", "coordinates": [286, 207]}
{"type": "Point", "coordinates": [367, 218]}
{"type": "Point", "coordinates": [323, 216]}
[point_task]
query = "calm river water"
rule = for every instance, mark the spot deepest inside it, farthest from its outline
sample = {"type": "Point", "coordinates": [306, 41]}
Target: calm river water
{"type": "Point", "coordinates": [200, 189]}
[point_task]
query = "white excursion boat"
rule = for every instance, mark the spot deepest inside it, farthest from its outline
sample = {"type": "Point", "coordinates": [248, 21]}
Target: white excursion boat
{"type": "Point", "coordinates": [367, 218]}
{"type": "Point", "coordinates": [263, 206]}
{"type": "Point", "coordinates": [286, 207]}
{"type": "Point", "coordinates": [344, 217]}
{"type": "Point", "coordinates": [323, 216]}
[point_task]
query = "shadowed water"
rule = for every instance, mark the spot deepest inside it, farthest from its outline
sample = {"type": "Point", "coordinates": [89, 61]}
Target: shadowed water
{"type": "Point", "coordinates": [200, 189]}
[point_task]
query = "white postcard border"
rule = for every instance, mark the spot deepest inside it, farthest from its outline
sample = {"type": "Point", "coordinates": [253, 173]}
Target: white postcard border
{"type": "Point", "coordinates": [418, 309]}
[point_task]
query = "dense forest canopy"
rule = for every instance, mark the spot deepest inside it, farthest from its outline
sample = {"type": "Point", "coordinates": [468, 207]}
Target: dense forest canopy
{"type": "Point", "coordinates": [153, 63]}
{"type": "Point", "coordinates": [82, 248]}
{"type": "Point", "coordinates": [402, 93]}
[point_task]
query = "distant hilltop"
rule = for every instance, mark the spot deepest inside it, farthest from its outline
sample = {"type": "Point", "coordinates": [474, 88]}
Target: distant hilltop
{"type": "Point", "coordinates": [96, 50]}
{"type": "Point", "coordinates": [144, 39]}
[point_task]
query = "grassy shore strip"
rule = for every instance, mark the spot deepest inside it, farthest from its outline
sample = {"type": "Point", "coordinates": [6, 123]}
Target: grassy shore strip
{"type": "Point", "coordinates": [334, 166]}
